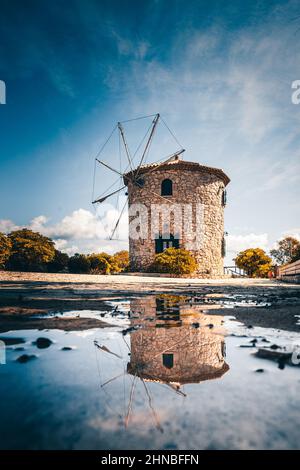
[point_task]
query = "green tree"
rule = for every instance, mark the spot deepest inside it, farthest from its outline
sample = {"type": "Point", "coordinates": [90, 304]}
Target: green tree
{"type": "Point", "coordinates": [100, 263]}
{"type": "Point", "coordinates": [59, 263]}
{"type": "Point", "coordinates": [287, 250]}
{"type": "Point", "coordinates": [30, 251]}
{"type": "Point", "coordinates": [254, 261]}
{"type": "Point", "coordinates": [174, 261]}
{"type": "Point", "coordinates": [79, 264]}
{"type": "Point", "coordinates": [5, 249]}
{"type": "Point", "coordinates": [296, 255]}
{"type": "Point", "coordinates": [121, 258]}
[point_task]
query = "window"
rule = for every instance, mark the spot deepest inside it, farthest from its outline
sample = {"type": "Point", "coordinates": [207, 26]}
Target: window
{"type": "Point", "coordinates": [223, 248]}
{"type": "Point", "coordinates": [166, 188]}
{"type": "Point", "coordinates": [224, 198]}
{"type": "Point", "coordinates": [168, 360]}
{"type": "Point", "coordinates": [161, 244]}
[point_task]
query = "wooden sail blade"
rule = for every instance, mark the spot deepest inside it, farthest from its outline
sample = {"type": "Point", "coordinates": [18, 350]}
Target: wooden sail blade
{"type": "Point", "coordinates": [154, 124]}
{"type": "Point", "coordinates": [120, 127]}
{"type": "Point", "coordinates": [118, 221]}
{"type": "Point", "coordinates": [102, 199]}
{"type": "Point", "coordinates": [109, 167]}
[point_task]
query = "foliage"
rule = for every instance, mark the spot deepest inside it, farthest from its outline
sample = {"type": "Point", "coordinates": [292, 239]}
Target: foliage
{"type": "Point", "coordinates": [121, 258]}
{"type": "Point", "coordinates": [30, 251]}
{"type": "Point", "coordinates": [296, 255]}
{"type": "Point", "coordinates": [288, 249]}
{"type": "Point", "coordinates": [174, 261]}
{"type": "Point", "coordinates": [254, 261]}
{"type": "Point", "coordinates": [79, 264]}
{"type": "Point", "coordinates": [100, 263]}
{"type": "Point", "coordinates": [59, 263]}
{"type": "Point", "coordinates": [5, 249]}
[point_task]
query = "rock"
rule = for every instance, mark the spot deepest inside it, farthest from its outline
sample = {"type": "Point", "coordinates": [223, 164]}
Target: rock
{"type": "Point", "coordinates": [195, 325]}
{"type": "Point", "coordinates": [210, 325]}
{"type": "Point", "coordinates": [25, 358]}
{"type": "Point", "coordinates": [43, 343]}
{"type": "Point", "coordinates": [11, 341]}
{"type": "Point", "coordinates": [260, 370]}
{"type": "Point", "coordinates": [275, 347]}
{"type": "Point", "coordinates": [282, 358]}
{"type": "Point", "coordinates": [67, 348]}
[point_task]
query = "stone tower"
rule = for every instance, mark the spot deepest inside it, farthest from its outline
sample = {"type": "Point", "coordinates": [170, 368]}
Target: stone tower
{"type": "Point", "coordinates": [168, 185]}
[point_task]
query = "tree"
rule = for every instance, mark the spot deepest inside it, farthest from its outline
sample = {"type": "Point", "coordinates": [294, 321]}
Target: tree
{"type": "Point", "coordinates": [30, 251]}
{"type": "Point", "coordinates": [287, 250]}
{"type": "Point", "coordinates": [79, 264]}
{"type": "Point", "coordinates": [100, 263]}
{"type": "Point", "coordinates": [296, 255]}
{"type": "Point", "coordinates": [175, 261]}
{"type": "Point", "coordinates": [5, 249]}
{"type": "Point", "coordinates": [121, 259]}
{"type": "Point", "coordinates": [254, 261]}
{"type": "Point", "coordinates": [59, 263]}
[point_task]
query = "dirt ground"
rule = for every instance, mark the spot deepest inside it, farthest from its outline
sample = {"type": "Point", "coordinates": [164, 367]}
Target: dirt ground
{"type": "Point", "coordinates": [23, 296]}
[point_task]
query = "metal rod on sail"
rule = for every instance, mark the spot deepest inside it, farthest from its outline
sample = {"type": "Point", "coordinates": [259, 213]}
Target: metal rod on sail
{"type": "Point", "coordinates": [120, 127]}
{"type": "Point", "coordinates": [118, 221]}
{"type": "Point", "coordinates": [109, 167]}
{"type": "Point", "coordinates": [155, 121]}
{"type": "Point", "coordinates": [102, 199]}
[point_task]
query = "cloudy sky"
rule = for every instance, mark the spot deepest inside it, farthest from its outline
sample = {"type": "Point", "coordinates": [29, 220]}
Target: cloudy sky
{"type": "Point", "coordinates": [219, 72]}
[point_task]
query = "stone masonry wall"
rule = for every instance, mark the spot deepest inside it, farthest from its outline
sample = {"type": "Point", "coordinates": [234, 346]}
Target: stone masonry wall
{"type": "Point", "coordinates": [189, 187]}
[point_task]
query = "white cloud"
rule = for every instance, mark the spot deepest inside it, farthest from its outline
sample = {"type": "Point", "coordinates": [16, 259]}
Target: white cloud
{"type": "Point", "coordinates": [82, 231]}
{"type": "Point", "coordinates": [236, 243]}
{"type": "Point", "coordinates": [7, 226]}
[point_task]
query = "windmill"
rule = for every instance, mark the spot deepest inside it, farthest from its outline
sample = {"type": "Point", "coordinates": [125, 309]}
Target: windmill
{"type": "Point", "coordinates": [133, 164]}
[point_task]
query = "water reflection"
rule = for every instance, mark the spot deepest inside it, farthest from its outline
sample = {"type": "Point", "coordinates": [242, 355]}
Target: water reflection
{"type": "Point", "coordinates": [175, 342]}
{"type": "Point", "coordinates": [169, 341]}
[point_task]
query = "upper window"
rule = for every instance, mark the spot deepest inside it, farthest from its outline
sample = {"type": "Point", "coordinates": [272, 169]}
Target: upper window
{"type": "Point", "coordinates": [166, 187]}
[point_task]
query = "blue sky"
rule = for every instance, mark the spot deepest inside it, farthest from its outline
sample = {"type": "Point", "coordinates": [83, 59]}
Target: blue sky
{"type": "Point", "coordinates": [219, 72]}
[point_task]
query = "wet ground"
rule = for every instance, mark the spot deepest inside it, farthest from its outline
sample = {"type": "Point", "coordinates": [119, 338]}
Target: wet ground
{"type": "Point", "coordinates": [208, 367]}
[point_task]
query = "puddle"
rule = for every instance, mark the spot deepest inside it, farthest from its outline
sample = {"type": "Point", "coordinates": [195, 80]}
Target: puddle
{"type": "Point", "coordinates": [168, 374]}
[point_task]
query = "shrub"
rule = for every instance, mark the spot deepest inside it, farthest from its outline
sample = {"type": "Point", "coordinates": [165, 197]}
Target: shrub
{"type": "Point", "coordinates": [79, 264]}
{"type": "Point", "coordinates": [5, 249]}
{"type": "Point", "coordinates": [100, 263]}
{"type": "Point", "coordinates": [121, 259]}
{"type": "Point", "coordinates": [254, 261]}
{"type": "Point", "coordinates": [30, 251]}
{"type": "Point", "coordinates": [175, 261]}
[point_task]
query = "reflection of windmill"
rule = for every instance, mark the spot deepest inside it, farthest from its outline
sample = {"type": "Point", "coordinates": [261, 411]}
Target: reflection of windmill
{"type": "Point", "coordinates": [133, 171]}
{"type": "Point", "coordinates": [166, 351]}
{"type": "Point", "coordinates": [137, 375]}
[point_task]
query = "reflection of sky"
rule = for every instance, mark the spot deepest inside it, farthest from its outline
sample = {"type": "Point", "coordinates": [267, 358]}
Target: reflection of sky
{"type": "Point", "coordinates": [219, 72]}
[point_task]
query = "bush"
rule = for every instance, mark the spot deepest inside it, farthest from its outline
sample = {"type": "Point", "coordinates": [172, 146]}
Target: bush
{"type": "Point", "coordinates": [121, 259]}
{"type": "Point", "coordinates": [30, 251]}
{"type": "Point", "coordinates": [79, 264]}
{"type": "Point", "coordinates": [59, 263]}
{"type": "Point", "coordinates": [254, 261]}
{"type": "Point", "coordinates": [5, 249]}
{"type": "Point", "coordinates": [100, 263]}
{"type": "Point", "coordinates": [175, 261]}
